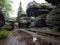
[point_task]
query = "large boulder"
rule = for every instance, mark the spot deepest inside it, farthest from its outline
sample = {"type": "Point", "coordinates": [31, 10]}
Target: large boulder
{"type": "Point", "coordinates": [53, 2]}
{"type": "Point", "coordinates": [24, 22]}
{"type": "Point", "coordinates": [53, 18]}
{"type": "Point", "coordinates": [35, 9]}
{"type": "Point", "coordinates": [9, 25]}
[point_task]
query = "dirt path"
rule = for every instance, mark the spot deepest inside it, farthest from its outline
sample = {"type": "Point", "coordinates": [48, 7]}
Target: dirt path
{"type": "Point", "coordinates": [24, 37]}
{"type": "Point", "coordinates": [13, 39]}
{"type": "Point", "coordinates": [18, 37]}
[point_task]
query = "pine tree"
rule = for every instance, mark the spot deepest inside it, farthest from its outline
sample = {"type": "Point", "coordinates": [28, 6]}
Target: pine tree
{"type": "Point", "coordinates": [19, 11]}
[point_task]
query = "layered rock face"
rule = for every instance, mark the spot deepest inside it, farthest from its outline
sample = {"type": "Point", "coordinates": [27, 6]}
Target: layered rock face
{"type": "Point", "coordinates": [2, 21]}
{"type": "Point", "coordinates": [53, 17]}
{"type": "Point", "coordinates": [54, 2]}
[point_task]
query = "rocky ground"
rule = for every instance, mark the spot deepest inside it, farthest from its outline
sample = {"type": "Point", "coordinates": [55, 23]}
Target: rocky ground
{"type": "Point", "coordinates": [24, 37]}
{"type": "Point", "coordinates": [18, 37]}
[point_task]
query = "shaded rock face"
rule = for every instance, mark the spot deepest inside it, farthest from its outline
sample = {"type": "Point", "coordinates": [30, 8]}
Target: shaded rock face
{"type": "Point", "coordinates": [53, 18]}
{"type": "Point", "coordinates": [23, 15]}
{"type": "Point", "coordinates": [24, 21]}
{"type": "Point", "coordinates": [53, 2]}
{"type": "Point", "coordinates": [12, 25]}
{"type": "Point", "coordinates": [40, 21]}
{"type": "Point", "coordinates": [37, 11]}
{"type": "Point", "coordinates": [2, 21]}
{"type": "Point", "coordinates": [9, 25]}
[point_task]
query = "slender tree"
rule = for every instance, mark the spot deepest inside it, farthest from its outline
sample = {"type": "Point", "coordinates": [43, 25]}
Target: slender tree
{"type": "Point", "coordinates": [19, 11]}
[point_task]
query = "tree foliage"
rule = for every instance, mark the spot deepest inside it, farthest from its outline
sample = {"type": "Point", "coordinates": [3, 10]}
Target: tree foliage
{"type": "Point", "coordinates": [5, 5]}
{"type": "Point", "coordinates": [19, 11]}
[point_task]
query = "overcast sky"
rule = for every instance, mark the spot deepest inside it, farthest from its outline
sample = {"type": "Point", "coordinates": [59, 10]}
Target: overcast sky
{"type": "Point", "coordinates": [16, 3]}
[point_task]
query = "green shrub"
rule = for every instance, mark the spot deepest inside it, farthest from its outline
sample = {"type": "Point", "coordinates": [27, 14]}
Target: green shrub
{"type": "Point", "coordinates": [55, 30]}
{"type": "Point", "coordinates": [3, 34]}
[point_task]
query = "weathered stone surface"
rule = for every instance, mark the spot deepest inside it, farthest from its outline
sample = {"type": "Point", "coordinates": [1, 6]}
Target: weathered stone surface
{"type": "Point", "coordinates": [35, 9]}
{"type": "Point", "coordinates": [40, 21]}
{"type": "Point", "coordinates": [54, 2]}
{"type": "Point", "coordinates": [2, 21]}
{"type": "Point", "coordinates": [53, 18]}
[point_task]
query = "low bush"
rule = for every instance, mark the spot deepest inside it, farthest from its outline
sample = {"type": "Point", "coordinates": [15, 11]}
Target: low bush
{"type": "Point", "coordinates": [3, 34]}
{"type": "Point", "coordinates": [55, 30]}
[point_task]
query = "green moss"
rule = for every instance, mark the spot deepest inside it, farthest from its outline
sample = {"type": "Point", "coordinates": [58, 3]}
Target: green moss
{"type": "Point", "coordinates": [55, 30]}
{"type": "Point", "coordinates": [3, 34]}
